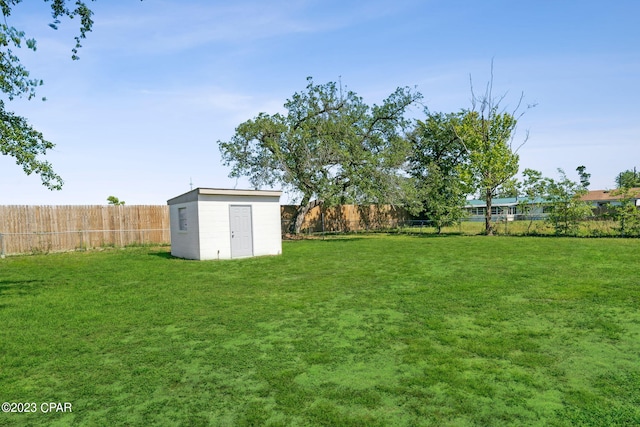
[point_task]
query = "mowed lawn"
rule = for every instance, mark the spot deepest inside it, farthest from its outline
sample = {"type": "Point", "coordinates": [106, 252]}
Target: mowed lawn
{"type": "Point", "coordinates": [366, 331]}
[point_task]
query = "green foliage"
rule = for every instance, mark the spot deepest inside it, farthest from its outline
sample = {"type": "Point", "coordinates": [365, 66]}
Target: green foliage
{"type": "Point", "coordinates": [487, 134]}
{"type": "Point", "coordinates": [492, 161]}
{"type": "Point", "coordinates": [330, 146]}
{"type": "Point", "coordinates": [113, 200]}
{"type": "Point", "coordinates": [568, 210]}
{"type": "Point", "coordinates": [18, 138]}
{"type": "Point", "coordinates": [21, 141]}
{"type": "Point", "coordinates": [510, 188]}
{"type": "Point", "coordinates": [534, 190]}
{"type": "Point", "coordinates": [437, 157]}
{"type": "Point", "coordinates": [627, 213]}
{"type": "Point", "coordinates": [60, 9]}
{"type": "Point", "coordinates": [533, 185]}
{"type": "Point", "coordinates": [584, 176]}
{"type": "Point", "coordinates": [628, 179]}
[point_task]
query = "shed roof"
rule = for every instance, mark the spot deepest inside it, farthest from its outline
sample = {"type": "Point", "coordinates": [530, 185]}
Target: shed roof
{"type": "Point", "coordinates": [192, 195]}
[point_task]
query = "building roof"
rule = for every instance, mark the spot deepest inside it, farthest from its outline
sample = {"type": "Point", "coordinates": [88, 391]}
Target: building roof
{"type": "Point", "coordinates": [608, 195]}
{"type": "Point", "coordinates": [506, 201]}
{"type": "Point", "coordinates": [503, 201]}
{"type": "Point", "coordinates": [591, 196]}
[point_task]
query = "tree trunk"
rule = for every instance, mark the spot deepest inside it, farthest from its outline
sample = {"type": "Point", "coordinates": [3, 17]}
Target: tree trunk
{"type": "Point", "coordinates": [298, 218]}
{"type": "Point", "coordinates": [488, 226]}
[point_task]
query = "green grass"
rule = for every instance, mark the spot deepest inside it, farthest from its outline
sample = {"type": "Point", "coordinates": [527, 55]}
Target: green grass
{"type": "Point", "coordinates": [595, 228]}
{"type": "Point", "coordinates": [366, 331]}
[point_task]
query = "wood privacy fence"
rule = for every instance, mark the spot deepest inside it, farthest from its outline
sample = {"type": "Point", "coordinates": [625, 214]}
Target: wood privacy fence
{"type": "Point", "coordinates": [34, 229]}
{"type": "Point", "coordinates": [30, 229]}
{"type": "Point", "coordinates": [346, 218]}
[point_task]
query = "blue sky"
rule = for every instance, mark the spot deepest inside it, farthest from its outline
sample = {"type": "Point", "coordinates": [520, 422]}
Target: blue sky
{"type": "Point", "coordinates": [159, 82]}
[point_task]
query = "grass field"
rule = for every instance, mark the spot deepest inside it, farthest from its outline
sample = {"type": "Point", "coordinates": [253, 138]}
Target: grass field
{"type": "Point", "coordinates": [363, 331]}
{"type": "Point", "coordinates": [595, 228]}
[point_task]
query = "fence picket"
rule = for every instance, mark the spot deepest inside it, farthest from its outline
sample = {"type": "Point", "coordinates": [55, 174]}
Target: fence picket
{"type": "Point", "coordinates": [28, 229]}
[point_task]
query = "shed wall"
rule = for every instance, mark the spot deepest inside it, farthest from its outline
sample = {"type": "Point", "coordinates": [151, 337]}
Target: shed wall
{"type": "Point", "coordinates": [267, 237]}
{"type": "Point", "coordinates": [214, 225]}
{"type": "Point", "coordinates": [185, 244]}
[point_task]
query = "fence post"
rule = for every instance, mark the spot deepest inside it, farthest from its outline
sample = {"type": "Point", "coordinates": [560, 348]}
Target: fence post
{"type": "Point", "coordinates": [3, 248]}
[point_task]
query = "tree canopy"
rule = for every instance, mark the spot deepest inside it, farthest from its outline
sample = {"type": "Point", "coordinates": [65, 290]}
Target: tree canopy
{"type": "Point", "coordinates": [435, 163]}
{"type": "Point", "coordinates": [113, 200]}
{"type": "Point", "coordinates": [628, 179]}
{"type": "Point", "coordinates": [534, 190]}
{"type": "Point", "coordinates": [330, 147]}
{"type": "Point", "coordinates": [568, 209]}
{"type": "Point", "coordinates": [626, 212]}
{"type": "Point", "coordinates": [487, 134]}
{"type": "Point", "coordinates": [18, 138]}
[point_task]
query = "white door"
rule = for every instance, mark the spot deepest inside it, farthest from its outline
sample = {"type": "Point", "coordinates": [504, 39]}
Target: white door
{"type": "Point", "coordinates": [241, 233]}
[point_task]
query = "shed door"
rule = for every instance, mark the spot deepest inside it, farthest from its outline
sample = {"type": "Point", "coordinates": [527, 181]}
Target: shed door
{"type": "Point", "coordinates": [241, 233]}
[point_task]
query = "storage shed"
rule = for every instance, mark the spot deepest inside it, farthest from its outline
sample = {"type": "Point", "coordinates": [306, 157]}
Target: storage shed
{"type": "Point", "coordinates": [213, 223]}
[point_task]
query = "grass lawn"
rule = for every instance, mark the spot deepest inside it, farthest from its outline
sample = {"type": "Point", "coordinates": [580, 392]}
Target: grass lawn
{"type": "Point", "coordinates": [365, 331]}
{"type": "Point", "coordinates": [593, 228]}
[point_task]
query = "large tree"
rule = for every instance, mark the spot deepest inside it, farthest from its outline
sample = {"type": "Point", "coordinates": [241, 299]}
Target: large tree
{"type": "Point", "coordinates": [330, 147]}
{"type": "Point", "coordinates": [488, 134]}
{"type": "Point", "coordinates": [18, 138]}
{"type": "Point", "coordinates": [435, 163]}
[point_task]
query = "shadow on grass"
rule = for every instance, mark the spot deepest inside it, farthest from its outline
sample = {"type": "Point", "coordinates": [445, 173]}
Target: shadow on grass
{"type": "Point", "coordinates": [444, 234]}
{"type": "Point", "coordinates": [436, 235]}
{"type": "Point", "coordinates": [163, 254]}
{"type": "Point", "coordinates": [370, 235]}
{"type": "Point", "coordinates": [328, 238]}
{"type": "Point", "coordinates": [19, 287]}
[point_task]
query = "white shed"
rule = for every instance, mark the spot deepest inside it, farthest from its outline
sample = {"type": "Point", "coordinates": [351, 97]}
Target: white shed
{"type": "Point", "coordinates": [213, 223]}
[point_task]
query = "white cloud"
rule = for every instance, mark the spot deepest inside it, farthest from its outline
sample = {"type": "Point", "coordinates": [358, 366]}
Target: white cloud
{"type": "Point", "coordinates": [165, 26]}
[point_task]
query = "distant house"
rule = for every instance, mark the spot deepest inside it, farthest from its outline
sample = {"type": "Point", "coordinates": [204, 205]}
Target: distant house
{"type": "Point", "coordinates": [501, 208]}
{"type": "Point", "coordinates": [601, 200]}
{"type": "Point", "coordinates": [514, 208]}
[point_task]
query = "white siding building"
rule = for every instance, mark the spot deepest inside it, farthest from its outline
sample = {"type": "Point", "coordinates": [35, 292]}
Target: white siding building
{"type": "Point", "coordinates": [211, 223]}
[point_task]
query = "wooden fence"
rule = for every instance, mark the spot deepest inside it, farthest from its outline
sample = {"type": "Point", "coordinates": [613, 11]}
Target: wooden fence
{"type": "Point", "coordinates": [346, 218]}
{"type": "Point", "coordinates": [30, 229]}
{"type": "Point", "coordinates": [34, 229]}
